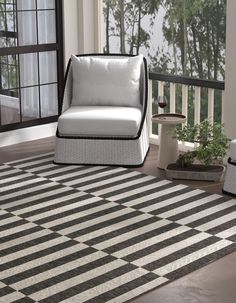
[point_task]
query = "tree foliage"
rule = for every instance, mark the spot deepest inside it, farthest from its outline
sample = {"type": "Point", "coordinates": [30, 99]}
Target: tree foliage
{"type": "Point", "coordinates": [197, 29]}
{"type": "Point", "coordinates": [194, 31]}
{"type": "Point", "coordinates": [123, 19]}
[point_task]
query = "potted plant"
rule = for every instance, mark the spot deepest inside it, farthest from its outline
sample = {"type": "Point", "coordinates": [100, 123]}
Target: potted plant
{"type": "Point", "coordinates": [205, 161]}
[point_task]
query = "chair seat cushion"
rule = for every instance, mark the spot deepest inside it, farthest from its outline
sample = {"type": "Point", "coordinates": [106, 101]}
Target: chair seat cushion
{"type": "Point", "coordinates": [100, 121]}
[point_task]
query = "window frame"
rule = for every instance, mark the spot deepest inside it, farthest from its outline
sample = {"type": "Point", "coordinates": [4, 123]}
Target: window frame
{"type": "Point", "coordinates": [38, 48]}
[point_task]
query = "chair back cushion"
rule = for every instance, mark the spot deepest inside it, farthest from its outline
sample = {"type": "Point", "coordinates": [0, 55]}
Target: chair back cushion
{"type": "Point", "coordinates": [106, 81]}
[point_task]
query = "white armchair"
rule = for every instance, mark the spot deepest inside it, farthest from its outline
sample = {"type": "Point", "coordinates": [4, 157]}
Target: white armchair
{"type": "Point", "coordinates": [103, 115]}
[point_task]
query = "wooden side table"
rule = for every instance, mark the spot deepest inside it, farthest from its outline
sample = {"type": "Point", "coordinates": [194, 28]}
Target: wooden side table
{"type": "Point", "coordinates": [168, 149]}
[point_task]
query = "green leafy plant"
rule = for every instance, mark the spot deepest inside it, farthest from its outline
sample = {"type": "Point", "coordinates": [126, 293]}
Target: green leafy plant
{"type": "Point", "coordinates": [212, 143]}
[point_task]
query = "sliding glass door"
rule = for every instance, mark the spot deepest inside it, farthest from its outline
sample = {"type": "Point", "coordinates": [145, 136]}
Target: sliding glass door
{"type": "Point", "coordinates": [31, 62]}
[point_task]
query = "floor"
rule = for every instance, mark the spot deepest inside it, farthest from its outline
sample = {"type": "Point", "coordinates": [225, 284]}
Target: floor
{"type": "Point", "coordinates": [214, 283]}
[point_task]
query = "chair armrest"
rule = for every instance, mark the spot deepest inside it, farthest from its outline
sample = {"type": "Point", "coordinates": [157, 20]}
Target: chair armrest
{"type": "Point", "coordinates": [67, 97]}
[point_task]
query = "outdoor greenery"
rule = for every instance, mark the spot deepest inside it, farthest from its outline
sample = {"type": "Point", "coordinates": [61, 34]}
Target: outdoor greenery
{"type": "Point", "coordinates": [212, 143]}
{"type": "Point", "coordinates": [193, 30]}
{"type": "Point", "coordinates": [189, 41]}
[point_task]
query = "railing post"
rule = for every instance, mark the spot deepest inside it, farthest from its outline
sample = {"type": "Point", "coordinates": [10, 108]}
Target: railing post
{"type": "Point", "coordinates": [222, 107]}
{"type": "Point", "coordinates": [160, 110]}
{"type": "Point", "coordinates": [160, 93]}
{"type": "Point", "coordinates": [149, 108]}
{"type": "Point", "coordinates": [197, 104]}
{"type": "Point", "coordinates": [211, 105]}
{"type": "Point", "coordinates": [172, 97]}
{"type": "Point", "coordinates": [185, 101]}
{"type": "Point", "coordinates": [187, 84]}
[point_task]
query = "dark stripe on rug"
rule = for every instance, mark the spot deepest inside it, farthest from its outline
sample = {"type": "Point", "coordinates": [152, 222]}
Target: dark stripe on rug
{"type": "Point", "coordinates": [112, 221]}
{"type": "Point", "coordinates": [138, 238]}
{"type": "Point", "coordinates": [99, 233]}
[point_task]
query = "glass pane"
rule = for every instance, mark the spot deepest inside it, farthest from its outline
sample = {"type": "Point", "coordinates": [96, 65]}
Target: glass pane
{"type": "Point", "coordinates": [11, 42]}
{"type": "Point", "coordinates": [8, 28]}
{"type": "Point", "coordinates": [10, 107]}
{"type": "Point", "coordinates": [10, 25]}
{"type": "Point", "coordinates": [2, 6]}
{"type": "Point", "coordinates": [26, 4]}
{"type": "Point", "coordinates": [46, 4]}
{"type": "Point", "coordinates": [30, 103]}
{"type": "Point", "coordinates": [46, 27]}
{"type": "Point", "coordinates": [4, 73]}
{"type": "Point", "coordinates": [13, 67]}
{"type": "Point", "coordinates": [10, 6]}
{"type": "Point", "coordinates": [9, 72]}
{"type": "Point", "coordinates": [48, 67]}
{"type": "Point", "coordinates": [27, 33]}
{"type": "Point", "coordinates": [3, 42]}
{"type": "Point", "coordinates": [2, 19]}
{"type": "Point", "coordinates": [28, 69]}
{"type": "Point", "coordinates": [7, 6]}
{"type": "Point", "coordinates": [49, 100]}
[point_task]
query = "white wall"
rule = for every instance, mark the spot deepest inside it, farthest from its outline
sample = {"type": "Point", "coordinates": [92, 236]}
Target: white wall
{"type": "Point", "coordinates": [71, 28]}
{"type": "Point", "coordinates": [89, 26]}
{"type": "Point", "coordinates": [81, 26]}
{"type": "Point", "coordinates": [230, 78]}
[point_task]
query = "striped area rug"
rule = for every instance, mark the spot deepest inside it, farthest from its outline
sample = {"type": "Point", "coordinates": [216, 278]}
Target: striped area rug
{"type": "Point", "coordinates": [99, 234]}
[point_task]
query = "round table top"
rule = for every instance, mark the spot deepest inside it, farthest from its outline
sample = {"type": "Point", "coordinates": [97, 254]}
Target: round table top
{"type": "Point", "coordinates": [169, 118]}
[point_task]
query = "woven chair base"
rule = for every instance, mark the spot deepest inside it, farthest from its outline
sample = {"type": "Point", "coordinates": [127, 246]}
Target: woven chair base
{"type": "Point", "coordinates": [121, 152]}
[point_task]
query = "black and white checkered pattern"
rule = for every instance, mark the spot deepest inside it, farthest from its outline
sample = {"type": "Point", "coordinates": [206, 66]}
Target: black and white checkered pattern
{"type": "Point", "coordinates": [102, 234]}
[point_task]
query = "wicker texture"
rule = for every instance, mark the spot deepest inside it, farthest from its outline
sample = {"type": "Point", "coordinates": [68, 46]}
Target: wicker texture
{"type": "Point", "coordinates": [230, 179]}
{"type": "Point", "coordinates": [99, 151]}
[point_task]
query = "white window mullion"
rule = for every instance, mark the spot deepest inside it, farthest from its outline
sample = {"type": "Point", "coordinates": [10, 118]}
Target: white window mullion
{"type": "Point", "coordinates": [98, 26]}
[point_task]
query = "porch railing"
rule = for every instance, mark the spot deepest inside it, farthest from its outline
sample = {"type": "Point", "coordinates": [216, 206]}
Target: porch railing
{"type": "Point", "coordinates": [195, 98]}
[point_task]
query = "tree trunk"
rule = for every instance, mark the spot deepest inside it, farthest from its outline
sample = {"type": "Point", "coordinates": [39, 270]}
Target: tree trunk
{"type": "Point", "coordinates": [190, 61]}
{"type": "Point", "coordinates": [139, 28]}
{"type": "Point", "coordinates": [131, 50]}
{"type": "Point", "coordinates": [107, 27]}
{"type": "Point", "coordinates": [172, 26]}
{"type": "Point", "coordinates": [185, 38]}
{"type": "Point", "coordinates": [208, 50]}
{"type": "Point", "coordinates": [217, 43]}
{"type": "Point", "coordinates": [196, 53]}
{"type": "Point", "coordinates": [122, 27]}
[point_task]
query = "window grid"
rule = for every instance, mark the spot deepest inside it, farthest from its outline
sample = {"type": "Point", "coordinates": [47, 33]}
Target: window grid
{"type": "Point", "coordinates": [16, 50]}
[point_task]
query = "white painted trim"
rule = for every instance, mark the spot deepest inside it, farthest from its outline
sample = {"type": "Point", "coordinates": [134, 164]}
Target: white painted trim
{"type": "Point", "coordinates": [98, 26]}
{"type": "Point", "coordinates": [27, 134]}
{"type": "Point", "coordinates": [89, 26]}
{"type": "Point", "coordinates": [71, 25]}
{"type": "Point", "coordinates": [229, 110]}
